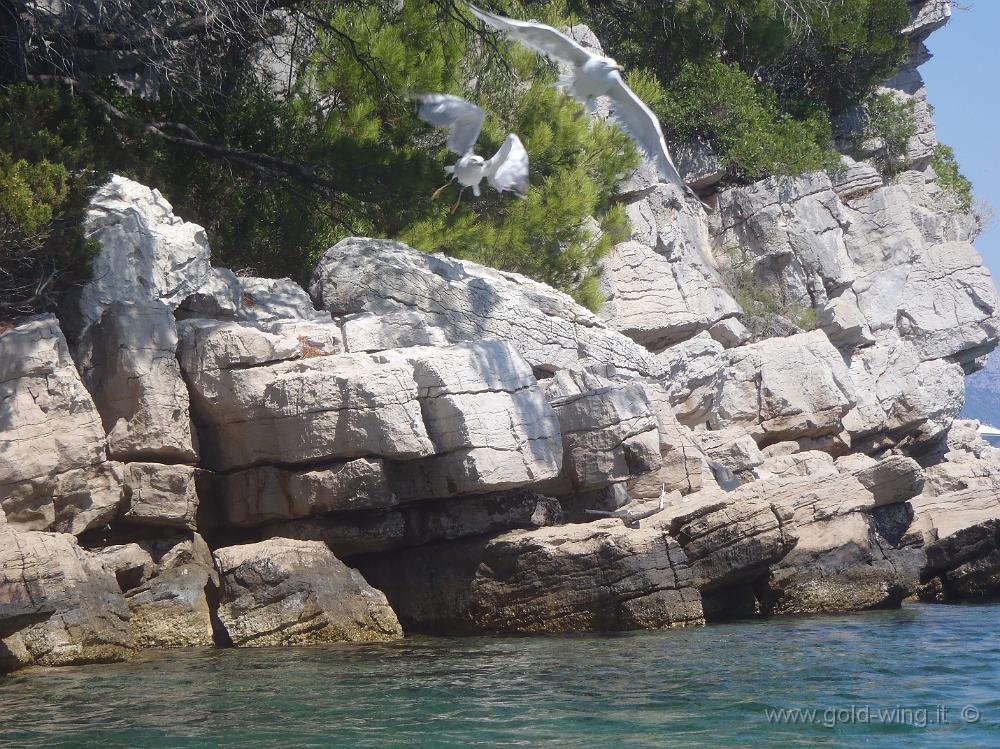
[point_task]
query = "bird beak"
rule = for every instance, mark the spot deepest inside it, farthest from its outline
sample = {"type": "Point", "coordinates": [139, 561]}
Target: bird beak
{"type": "Point", "coordinates": [619, 68]}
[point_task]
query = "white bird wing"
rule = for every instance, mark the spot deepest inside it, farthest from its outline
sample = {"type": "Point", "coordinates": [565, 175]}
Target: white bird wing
{"type": "Point", "coordinates": [537, 36]}
{"type": "Point", "coordinates": [638, 120]}
{"type": "Point", "coordinates": [508, 169]}
{"type": "Point", "coordinates": [463, 118]}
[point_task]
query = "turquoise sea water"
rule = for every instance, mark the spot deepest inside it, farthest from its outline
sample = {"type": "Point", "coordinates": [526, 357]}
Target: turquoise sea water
{"type": "Point", "coordinates": [706, 687]}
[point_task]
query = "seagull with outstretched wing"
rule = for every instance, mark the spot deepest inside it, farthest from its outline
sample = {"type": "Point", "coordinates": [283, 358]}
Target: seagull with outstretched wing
{"type": "Point", "coordinates": [594, 75]}
{"type": "Point", "coordinates": [506, 171]}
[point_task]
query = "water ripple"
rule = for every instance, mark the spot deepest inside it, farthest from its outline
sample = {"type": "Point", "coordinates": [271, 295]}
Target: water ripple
{"type": "Point", "coordinates": [704, 688]}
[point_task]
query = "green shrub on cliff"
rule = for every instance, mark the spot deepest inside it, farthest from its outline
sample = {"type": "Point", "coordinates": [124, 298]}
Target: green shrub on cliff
{"type": "Point", "coordinates": [276, 173]}
{"type": "Point", "coordinates": [889, 125]}
{"type": "Point", "coordinates": [744, 122]}
{"type": "Point", "coordinates": [47, 159]}
{"type": "Point", "coordinates": [758, 79]}
{"type": "Point", "coordinates": [575, 160]}
{"type": "Point", "coordinates": [950, 178]}
{"type": "Point", "coordinates": [350, 111]}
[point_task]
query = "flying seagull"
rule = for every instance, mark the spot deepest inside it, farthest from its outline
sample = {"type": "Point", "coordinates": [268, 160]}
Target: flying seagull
{"type": "Point", "coordinates": [507, 170]}
{"type": "Point", "coordinates": [593, 76]}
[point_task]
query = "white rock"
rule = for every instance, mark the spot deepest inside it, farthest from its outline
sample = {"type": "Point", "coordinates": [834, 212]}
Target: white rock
{"type": "Point", "coordinates": [285, 592]}
{"type": "Point", "coordinates": [53, 473]}
{"type": "Point", "coordinates": [470, 302]}
{"type": "Point", "coordinates": [267, 494]}
{"type": "Point", "coordinates": [268, 299]}
{"type": "Point", "coordinates": [368, 332]}
{"type": "Point", "coordinates": [161, 495]}
{"type": "Point", "coordinates": [764, 390]}
{"type": "Point", "coordinates": [609, 435]}
{"type": "Point", "coordinates": [128, 361]}
{"type": "Point", "coordinates": [322, 408]}
{"type": "Point", "coordinates": [147, 253]}
{"type": "Point", "coordinates": [486, 416]}
{"type": "Point", "coordinates": [693, 376]}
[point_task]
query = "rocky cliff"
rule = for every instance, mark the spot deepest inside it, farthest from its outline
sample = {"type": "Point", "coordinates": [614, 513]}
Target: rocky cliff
{"type": "Point", "coordinates": [191, 457]}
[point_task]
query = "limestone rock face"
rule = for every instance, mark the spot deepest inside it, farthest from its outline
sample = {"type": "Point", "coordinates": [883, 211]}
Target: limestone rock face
{"type": "Point", "coordinates": [734, 450]}
{"type": "Point", "coordinates": [127, 360]}
{"type": "Point", "coordinates": [901, 399]}
{"type": "Point", "coordinates": [841, 564]}
{"type": "Point", "coordinates": [289, 410]}
{"type": "Point", "coordinates": [958, 515]}
{"type": "Point", "coordinates": [793, 230]}
{"type": "Point", "coordinates": [265, 300]}
{"type": "Point", "coordinates": [84, 617]}
{"type": "Point", "coordinates": [764, 390]}
{"type": "Point", "coordinates": [609, 435]}
{"type": "Point", "coordinates": [681, 462]}
{"type": "Point", "coordinates": [286, 592]}
{"type": "Point", "coordinates": [147, 253]}
{"type": "Point", "coordinates": [888, 270]}
{"type": "Point", "coordinates": [161, 495]}
{"type": "Point", "coordinates": [594, 576]}
{"type": "Point", "coordinates": [486, 416]}
{"type": "Point", "coordinates": [855, 179]}
{"type": "Point", "coordinates": [662, 285]}
{"type": "Point", "coordinates": [257, 496]}
{"type": "Point", "coordinates": [169, 604]}
{"type": "Point", "coordinates": [805, 463]}
{"type": "Point", "coordinates": [426, 522]}
{"type": "Point", "coordinates": [469, 302]}
{"type": "Point", "coordinates": [368, 332]}
{"type": "Point", "coordinates": [53, 469]}
{"type": "Point", "coordinates": [813, 543]}
{"type": "Point", "coordinates": [693, 376]}
{"type": "Point", "coordinates": [208, 346]}
{"type": "Point", "coordinates": [949, 304]}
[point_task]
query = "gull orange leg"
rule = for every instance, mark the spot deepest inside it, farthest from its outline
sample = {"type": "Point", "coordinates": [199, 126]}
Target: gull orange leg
{"type": "Point", "coordinates": [436, 193]}
{"type": "Point", "coordinates": [455, 207]}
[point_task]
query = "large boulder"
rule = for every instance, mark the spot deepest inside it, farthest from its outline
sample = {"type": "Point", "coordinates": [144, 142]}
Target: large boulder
{"type": "Point", "coordinates": [693, 377]}
{"type": "Point", "coordinates": [593, 576]}
{"type": "Point", "coordinates": [53, 469]}
{"type": "Point", "coordinates": [293, 408]}
{"type": "Point", "coordinates": [765, 393]}
{"type": "Point", "coordinates": [147, 253]}
{"type": "Point", "coordinates": [79, 613]}
{"type": "Point", "coordinates": [609, 435]}
{"type": "Point", "coordinates": [486, 416]}
{"type": "Point", "coordinates": [805, 543]}
{"type": "Point", "coordinates": [264, 300]}
{"type": "Point", "coordinates": [162, 495]}
{"type": "Point", "coordinates": [168, 584]}
{"type": "Point", "coordinates": [287, 592]}
{"type": "Point", "coordinates": [128, 361]}
{"type": "Point", "coordinates": [469, 302]}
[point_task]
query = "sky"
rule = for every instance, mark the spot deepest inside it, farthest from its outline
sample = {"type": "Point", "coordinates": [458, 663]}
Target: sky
{"type": "Point", "coordinates": [963, 84]}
